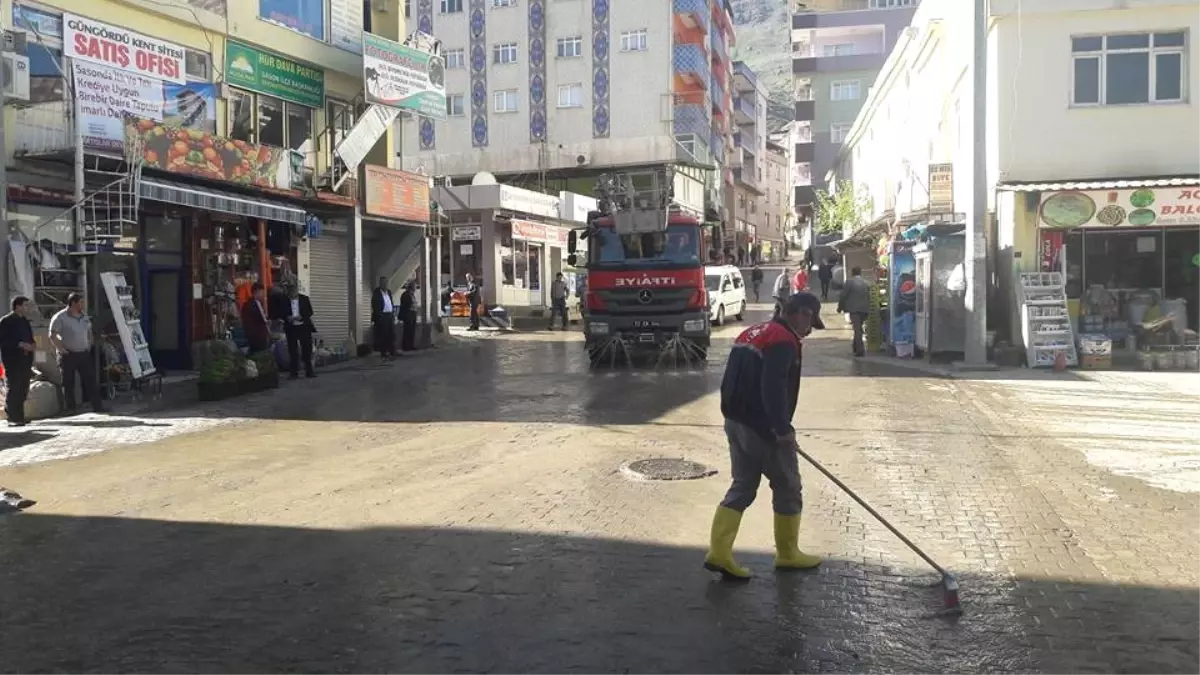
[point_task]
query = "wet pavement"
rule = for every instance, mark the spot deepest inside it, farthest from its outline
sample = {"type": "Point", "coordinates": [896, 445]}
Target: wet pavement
{"type": "Point", "coordinates": [465, 510]}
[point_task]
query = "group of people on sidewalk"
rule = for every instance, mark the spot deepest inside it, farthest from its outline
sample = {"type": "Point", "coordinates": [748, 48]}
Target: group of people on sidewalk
{"type": "Point", "coordinates": [854, 300]}
{"type": "Point", "coordinates": [295, 311]}
{"type": "Point", "coordinates": [384, 315]}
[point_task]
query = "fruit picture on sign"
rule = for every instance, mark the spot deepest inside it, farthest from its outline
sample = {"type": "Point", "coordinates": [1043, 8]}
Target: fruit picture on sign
{"type": "Point", "coordinates": [1140, 199]}
{"type": "Point", "coordinates": [204, 155]}
{"type": "Point", "coordinates": [1068, 209]}
{"type": "Point", "coordinates": [1142, 217]}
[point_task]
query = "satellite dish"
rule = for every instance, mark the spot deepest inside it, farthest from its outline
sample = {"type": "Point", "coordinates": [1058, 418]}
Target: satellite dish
{"type": "Point", "coordinates": [483, 178]}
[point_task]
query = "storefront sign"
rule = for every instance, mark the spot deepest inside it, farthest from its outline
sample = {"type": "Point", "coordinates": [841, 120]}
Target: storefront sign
{"type": "Point", "coordinates": [303, 16]}
{"type": "Point", "coordinates": [104, 95]}
{"type": "Point", "coordinates": [529, 231]}
{"type": "Point", "coordinates": [88, 40]}
{"type": "Point", "coordinates": [466, 249]}
{"type": "Point", "coordinates": [203, 155]}
{"type": "Point", "coordinates": [273, 75]}
{"type": "Point", "coordinates": [575, 207]}
{"type": "Point", "coordinates": [941, 187]}
{"type": "Point", "coordinates": [398, 76]}
{"type": "Point", "coordinates": [467, 233]}
{"type": "Point", "coordinates": [528, 201]}
{"type": "Point", "coordinates": [346, 24]}
{"type": "Point", "coordinates": [1051, 251]}
{"type": "Point", "coordinates": [556, 236]}
{"type": "Point", "coordinates": [397, 194]}
{"type": "Point", "coordinates": [1145, 207]}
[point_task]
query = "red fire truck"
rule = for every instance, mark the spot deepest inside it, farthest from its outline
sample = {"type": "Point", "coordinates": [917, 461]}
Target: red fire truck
{"type": "Point", "coordinates": [645, 273]}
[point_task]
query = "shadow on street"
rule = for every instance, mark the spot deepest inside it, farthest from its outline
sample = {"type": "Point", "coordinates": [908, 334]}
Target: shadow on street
{"type": "Point", "coordinates": [136, 595]}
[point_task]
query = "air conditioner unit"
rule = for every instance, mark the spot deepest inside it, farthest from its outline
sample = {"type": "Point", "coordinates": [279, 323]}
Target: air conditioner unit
{"type": "Point", "coordinates": [16, 77]}
{"type": "Point", "coordinates": [583, 159]}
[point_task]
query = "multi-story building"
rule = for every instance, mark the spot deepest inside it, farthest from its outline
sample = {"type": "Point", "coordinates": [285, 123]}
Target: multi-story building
{"type": "Point", "coordinates": [224, 178]}
{"type": "Point", "coordinates": [838, 47]}
{"type": "Point", "coordinates": [549, 94]}
{"type": "Point", "coordinates": [748, 163]}
{"type": "Point", "coordinates": [1092, 126]}
{"type": "Point", "coordinates": [777, 202]}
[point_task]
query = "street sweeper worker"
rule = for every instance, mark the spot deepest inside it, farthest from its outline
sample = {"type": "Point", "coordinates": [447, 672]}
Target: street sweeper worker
{"type": "Point", "coordinates": [758, 399]}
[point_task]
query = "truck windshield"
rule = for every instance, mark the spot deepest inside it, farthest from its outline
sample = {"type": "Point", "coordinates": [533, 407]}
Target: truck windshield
{"type": "Point", "coordinates": [677, 245]}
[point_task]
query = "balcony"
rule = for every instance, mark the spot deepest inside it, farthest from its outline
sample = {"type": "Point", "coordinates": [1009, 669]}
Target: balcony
{"type": "Point", "coordinates": [692, 13]}
{"type": "Point", "coordinates": [746, 175]}
{"type": "Point", "coordinates": [744, 110]}
{"type": "Point", "coordinates": [805, 152]}
{"type": "Point", "coordinates": [691, 62]}
{"type": "Point", "coordinates": [43, 129]}
{"type": "Point", "coordinates": [720, 50]}
{"type": "Point", "coordinates": [837, 64]}
{"type": "Point", "coordinates": [806, 111]}
{"type": "Point", "coordinates": [804, 195]}
{"type": "Point", "coordinates": [744, 79]}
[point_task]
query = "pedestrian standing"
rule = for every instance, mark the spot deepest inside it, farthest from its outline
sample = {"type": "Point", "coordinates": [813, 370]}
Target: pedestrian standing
{"type": "Point", "coordinates": [783, 287]}
{"type": "Point", "coordinates": [756, 279]}
{"type": "Point", "coordinates": [758, 399]}
{"type": "Point", "coordinates": [474, 299]}
{"type": "Point", "coordinates": [408, 315]}
{"type": "Point", "coordinates": [383, 320]}
{"type": "Point", "coordinates": [855, 300]}
{"type": "Point", "coordinates": [825, 274]}
{"type": "Point", "coordinates": [254, 319]}
{"type": "Point", "coordinates": [558, 300]}
{"type": "Point", "coordinates": [800, 280]}
{"type": "Point", "coordinates": [16, 353]}
{"type": "Point", "coordinates": [71, 335]}
{"type": "Point", "coordinates": [299, 329]}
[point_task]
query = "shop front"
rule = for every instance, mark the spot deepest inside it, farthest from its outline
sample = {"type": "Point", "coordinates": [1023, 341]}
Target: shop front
{"type": "Point", "coordinates": [1131, 256]}
{"type": "Point", "coordinates": [395, 219]}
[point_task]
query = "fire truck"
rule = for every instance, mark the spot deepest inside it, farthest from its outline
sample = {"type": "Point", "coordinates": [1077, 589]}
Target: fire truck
{"type": "Point", "coordinates": [645, 289]}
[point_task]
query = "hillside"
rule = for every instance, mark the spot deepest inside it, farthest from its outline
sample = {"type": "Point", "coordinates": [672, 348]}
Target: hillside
{"type": "Point", "coordinates": [764, 43]}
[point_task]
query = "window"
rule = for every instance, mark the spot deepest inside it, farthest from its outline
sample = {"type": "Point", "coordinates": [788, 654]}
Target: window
{"type": "Point", "coordinates": [198, 66]}
{"type": "Point", "coordinates": [845, 90]}
{"type": "Point", "coordinates": [505, 53]}
{"type": "Point", "coordinates": [266, 120]}
{"type": "Point", "coordinates": [838, 132]}
{"type": "Point", "coordinates": [889, 4]}
{"type": "Point", "coordinates": [303, 16]}
{"type": "Point", "coordinates": [570, 47]}
{"type": "Point", "coordinates": [456, 59]}
{"type": "Point", "coordinates": [408, 9]}
{"type": "Point", "coordinates": [840, 49]}
{"type": "Point", "coordinates": [633, 40]}
{"type": "Point", "coordinates": [452, 6]}
{"type": "Point", "coordinates": [454, 105]}
{"type": "Point", "coordinates": [504, 101]}
{"type": "Point", "coordinates": [570, 96]}
{"type": "Point", "coordinates": [504, 3]}
{"type": "Point", "coordinates": [1128, 68]}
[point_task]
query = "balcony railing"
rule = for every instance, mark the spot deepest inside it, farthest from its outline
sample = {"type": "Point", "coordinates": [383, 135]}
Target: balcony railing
{"type": "Point", "coordinates": [745, 105]}
{"type": "Point", "coordinates": [43, 129]}
{"type": "Point", "coordinates": [740, 68]}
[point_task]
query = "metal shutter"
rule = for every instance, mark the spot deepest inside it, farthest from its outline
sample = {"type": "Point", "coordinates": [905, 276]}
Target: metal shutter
{"type": "Point", "coordinates": [329, 286]}
{"type": "Point", "coordinates": [364, 304]}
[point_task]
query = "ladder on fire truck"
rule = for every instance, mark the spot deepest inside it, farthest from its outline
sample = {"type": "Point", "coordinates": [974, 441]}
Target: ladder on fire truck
{"type": "Point", "coordinates": [639, 202]}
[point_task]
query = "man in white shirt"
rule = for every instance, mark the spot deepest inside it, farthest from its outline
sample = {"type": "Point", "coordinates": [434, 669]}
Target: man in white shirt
{"type": "Point", "coordinates": [383, 320]}
{"type": "Point", "coordinates": [71, 335]}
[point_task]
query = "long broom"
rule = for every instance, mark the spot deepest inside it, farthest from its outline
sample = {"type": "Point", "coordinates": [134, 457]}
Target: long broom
{"type": "Point", "coordinates": [949, 583]}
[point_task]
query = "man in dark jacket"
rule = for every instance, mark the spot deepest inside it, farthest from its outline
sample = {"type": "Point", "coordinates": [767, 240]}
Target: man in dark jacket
{"type": "Point", "coordinates": [474, 299]}
{"type": "Point", "coordinates": [16, 352]}
{"type": "Point", "coordinates": [758, 398]}
{"type": "Point", "coordinates": [856, 301]}
{"type": "Point", "coordinates": [296, 312]}
{"type": "Point", "coordinates": [825, 274]}
{"type": "Point", "coordinates": [254, 320]}
{"type": "Point", "coordinates": [756, 279]}
{"type": "Point", "coordinates": [383, 320]}
{"type": "Point", "coordinates": [408, 314]}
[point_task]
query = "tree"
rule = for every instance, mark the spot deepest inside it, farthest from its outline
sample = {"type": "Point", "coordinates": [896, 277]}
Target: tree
{"type": "Point", "coordinates": [842, 210]}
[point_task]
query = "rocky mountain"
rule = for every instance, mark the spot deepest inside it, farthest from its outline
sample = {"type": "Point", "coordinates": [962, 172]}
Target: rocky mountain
{"type": "Point", "coordinates": [764, 43]}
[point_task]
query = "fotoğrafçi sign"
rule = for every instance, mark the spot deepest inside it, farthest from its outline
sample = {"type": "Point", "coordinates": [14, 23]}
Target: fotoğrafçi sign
{"type": "Point", "coordinates": [398, 76]}
{"type": "Point", "coordinates": [1144, 207]}
{"type": "Point", "coordinates": [123, 49]}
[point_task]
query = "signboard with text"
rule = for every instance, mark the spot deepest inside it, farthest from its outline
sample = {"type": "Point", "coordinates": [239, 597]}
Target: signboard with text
{"type": "Point", "coordinates": [392, 193]}
{"type": "Point", "coordinates": [273, 75]}
{"type": "Point", "coordinates": [204, 155]}
{"type": "Point", "coordinates": [123, 49]}
{"type": "Point", "coordinates": [941, 187]}
{"type": "Point", "coordinates": [398, 76]}
{"type": "Point", "coordinates": [1144, 207]}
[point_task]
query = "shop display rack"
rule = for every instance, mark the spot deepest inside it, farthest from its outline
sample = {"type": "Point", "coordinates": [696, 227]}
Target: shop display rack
{"type": "Point", "coordinates": [129, 324]}
{"type": "Point", "coordinates": [1045, 320]}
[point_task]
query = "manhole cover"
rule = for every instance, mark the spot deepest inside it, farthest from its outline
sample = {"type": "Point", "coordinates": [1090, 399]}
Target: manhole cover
{"type": "Point", "coordinates": [664, 468]}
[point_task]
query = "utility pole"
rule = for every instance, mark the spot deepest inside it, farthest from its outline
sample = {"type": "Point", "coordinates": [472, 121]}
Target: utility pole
{"type": "Point", "coordinates": [975, 263]}
{"type": "Point", "coordinates": [5, 233]}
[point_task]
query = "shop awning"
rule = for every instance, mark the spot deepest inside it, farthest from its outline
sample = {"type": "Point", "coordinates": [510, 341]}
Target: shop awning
{"type": "Point", "coordinates": [1132, 184]}
{"type": "Point", "coordinates": [217, 200]}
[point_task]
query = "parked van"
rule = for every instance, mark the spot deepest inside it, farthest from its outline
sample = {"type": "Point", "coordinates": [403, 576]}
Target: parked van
{"type": "Point", "coordinates": [726, 293]}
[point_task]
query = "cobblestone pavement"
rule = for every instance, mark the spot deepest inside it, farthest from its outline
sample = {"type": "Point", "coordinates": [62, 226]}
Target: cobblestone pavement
{"type": "Point", "coordinates": [464, 511]}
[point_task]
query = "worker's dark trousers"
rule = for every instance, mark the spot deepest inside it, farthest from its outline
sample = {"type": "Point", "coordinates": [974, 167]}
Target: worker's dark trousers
{"type": "Point", "coordinates": [750, 458]}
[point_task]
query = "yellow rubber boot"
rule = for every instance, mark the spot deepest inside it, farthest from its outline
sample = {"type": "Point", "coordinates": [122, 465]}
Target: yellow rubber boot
{"type": "Point", "coordinates": [787, 550]}
{"type": "Point", "coordinates": [720, 547]}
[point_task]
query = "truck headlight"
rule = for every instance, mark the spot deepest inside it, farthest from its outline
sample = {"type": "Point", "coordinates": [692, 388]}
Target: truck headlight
{"type": "Point", "coordinates": [598, 328]}
{"type": "Point", "coordinates": [693, 325]}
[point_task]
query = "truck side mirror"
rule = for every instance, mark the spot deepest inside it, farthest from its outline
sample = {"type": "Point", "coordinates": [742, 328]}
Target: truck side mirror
{"type": "Point", "coordinates": [573, 260]}
{"type": "Point", "coordinates": [572, 242]}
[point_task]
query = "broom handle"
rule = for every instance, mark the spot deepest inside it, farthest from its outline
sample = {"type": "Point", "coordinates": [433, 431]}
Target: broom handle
{"type": "Point", "coordinates": [873, 512]}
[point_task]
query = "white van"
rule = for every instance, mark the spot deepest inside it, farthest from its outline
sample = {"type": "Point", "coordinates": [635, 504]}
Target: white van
{"type": "Point", "coordinates": [726, 293]}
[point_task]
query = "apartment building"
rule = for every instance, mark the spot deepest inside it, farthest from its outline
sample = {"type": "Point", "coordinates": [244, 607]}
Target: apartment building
{"type": "Point", "coordinates": [749, 163]}
{"type": "Point", "coordinates": [838, 48]}
{"type": "Point", "coordinates": [225, 177]}
{"type": "Point", "coordinates": [1092, 129]}
{"type": "Point", "coordinates": [549, 94]}
{"type": "Point", "coordinates": [777, 202]}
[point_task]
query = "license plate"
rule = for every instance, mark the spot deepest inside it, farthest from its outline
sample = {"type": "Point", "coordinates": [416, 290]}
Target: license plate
{"type": "Point", "coordinates": [646, 337]}
{"type": "Point", "coordinates": [645, 324]}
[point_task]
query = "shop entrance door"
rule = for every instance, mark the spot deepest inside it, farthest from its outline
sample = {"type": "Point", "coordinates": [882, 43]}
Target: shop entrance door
{"type": "Point", "coordinates": [164, 298]}
{"type": "Point", "coordinates": [535, 276]}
